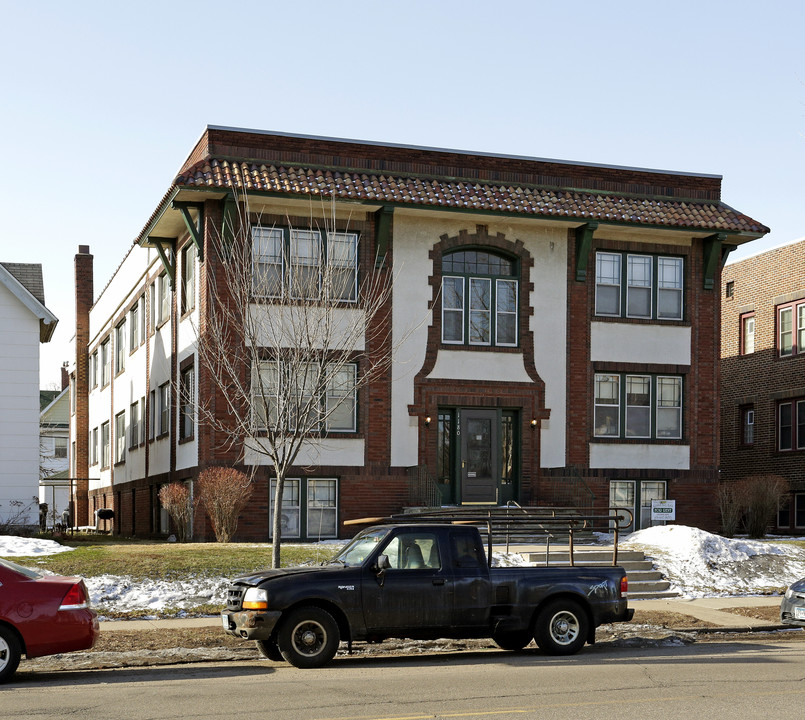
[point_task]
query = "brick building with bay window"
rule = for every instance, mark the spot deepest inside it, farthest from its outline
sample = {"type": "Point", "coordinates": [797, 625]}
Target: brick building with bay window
{"type": "Point", "coordinates": [555, 328]}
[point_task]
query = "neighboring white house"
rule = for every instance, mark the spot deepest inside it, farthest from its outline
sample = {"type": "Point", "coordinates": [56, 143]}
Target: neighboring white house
{"type": "Point", "coordinates": [54, 455]}
{"type": "Point", "coordinates": [24, 323]}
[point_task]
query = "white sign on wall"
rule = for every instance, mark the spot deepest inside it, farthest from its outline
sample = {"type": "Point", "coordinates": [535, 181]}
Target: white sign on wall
{"type": "Point", "coordinates": [663, 510]}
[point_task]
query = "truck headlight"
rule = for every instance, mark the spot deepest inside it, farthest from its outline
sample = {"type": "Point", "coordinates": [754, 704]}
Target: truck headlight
{"type": "Point", "coordinates": [790, 594]}
{"type": "Point", "coordinates": [255, 599]}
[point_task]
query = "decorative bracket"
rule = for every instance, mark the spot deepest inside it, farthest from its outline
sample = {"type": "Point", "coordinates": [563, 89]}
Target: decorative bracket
{"type": "Point", "coordinates": [165, 248]}
{"type": "Point", "coordinates": [712, 258]}
{"type": "Point", "coordinates": [584, 241]}
{"type": "Point", "coordinates": [383, 226]}
{"type": "Point", "coordinates": [194, 227]}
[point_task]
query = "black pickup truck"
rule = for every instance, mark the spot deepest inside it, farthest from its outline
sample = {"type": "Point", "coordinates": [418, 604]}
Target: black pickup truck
{"type": "Point", "coordinates": [421, 581]}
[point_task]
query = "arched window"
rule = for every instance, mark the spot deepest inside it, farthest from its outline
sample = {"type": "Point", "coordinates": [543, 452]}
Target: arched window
{"type": "Point", "coordinates": [479, 299]}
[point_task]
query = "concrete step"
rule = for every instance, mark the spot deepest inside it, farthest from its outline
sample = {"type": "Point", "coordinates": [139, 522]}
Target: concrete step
{"type": "Point", "coordinates": [645, 582]}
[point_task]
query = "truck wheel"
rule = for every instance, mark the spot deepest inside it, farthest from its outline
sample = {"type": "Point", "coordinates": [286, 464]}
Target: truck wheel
{"type": "Point", "coordinates": [10, 653]}
{"type": "Point", "coordinates": [269, 650]}
{"type": "Point", "coordinates": [561, 628]}
{"type": "Point", "coordinates": [511, 640]}
{"type": "Point", "coordinates": [308, 637]}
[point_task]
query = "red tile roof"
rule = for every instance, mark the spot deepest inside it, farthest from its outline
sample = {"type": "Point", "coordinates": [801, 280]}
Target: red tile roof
{"type": "Point", "coordinates": [451, 193]}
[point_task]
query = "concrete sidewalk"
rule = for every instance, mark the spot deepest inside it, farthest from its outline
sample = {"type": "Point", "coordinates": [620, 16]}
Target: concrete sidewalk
{"type": "Point", "coordinates": [712, 610]}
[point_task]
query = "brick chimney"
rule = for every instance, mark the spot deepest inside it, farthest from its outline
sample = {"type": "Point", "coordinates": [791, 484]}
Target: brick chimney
{"type": "Point", "coordinates": [65, 376]}
{"type": "Point", "coordinates": [83, 302]}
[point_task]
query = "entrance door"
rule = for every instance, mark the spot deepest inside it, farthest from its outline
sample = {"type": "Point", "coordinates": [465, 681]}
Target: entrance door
{"type": "Point", "coordinates": [637, 497]}
{"type": "Point", "coordinates": [479, 456]}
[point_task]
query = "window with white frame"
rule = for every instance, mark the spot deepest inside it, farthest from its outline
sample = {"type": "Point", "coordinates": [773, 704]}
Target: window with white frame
{"type": "Point", "coordinates": [134, 424]}
{"type": "Point", "coordinates": [286, 393]}
{"type": "Point", "coordinates": [304, 264]}
{"type": "Point", "coordinates": [637, 406]}
{"type": "Point", "coordinates": [93, 370]}
{"type": "Point", "coordinates": [134, 326]}
{"type": "Point", "coordinates": [653, 287]}
{"type": "Point", "coordinates": [60, 447]}
{"type": "Point", "coordinates": [152, 414]}
{"type": "Point", "coordinates": [105, 445]}
{"type": "Point", "coordinates": [120, 437]}
{"type": "Point", "coordinates": [747, 334]}
{"type": "Point", "coordinates": [309, 508]}
{"type": "Point", "coordinates": [791, 329]}
{"type": "Point", "coordinates": [120, 347]}
{"type": "Point", "coordinates": [143, 321]}
{"type": "Point", "coordinates": [189, 278]}
{"type": "Point", "coordinates": [93, 447]}
{"type": "Point", "coordinates": [186, 405]}
{"type": "Point", "coordinates": [480, 295]}
{"type": "Point", "coordinates": [106, 363]}
{"type": "Point", "coordinates": [163, 402]}
{"type": "Point", "coordinates": [163, 299]}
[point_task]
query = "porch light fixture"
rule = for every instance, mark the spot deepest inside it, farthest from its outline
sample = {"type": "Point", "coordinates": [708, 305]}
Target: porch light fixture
{"type": "Point", "coordinates": [533, 423]}
{"type": "Point", "coordinates": [427, 421]}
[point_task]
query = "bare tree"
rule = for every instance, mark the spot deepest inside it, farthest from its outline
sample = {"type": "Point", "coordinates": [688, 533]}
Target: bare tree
{"type": "Point", "coordinates": [175, 498]}
{"type": "Point", "coordinates": [289, 337]}
{"type": "Point", "coordinates": [223, 492]}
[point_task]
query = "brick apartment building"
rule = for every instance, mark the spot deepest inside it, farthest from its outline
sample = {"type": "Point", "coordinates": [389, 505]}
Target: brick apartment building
{"type": "Point", "coordinates": [763, 373]}
{"type": "Point", "coordinates": [555, 325]}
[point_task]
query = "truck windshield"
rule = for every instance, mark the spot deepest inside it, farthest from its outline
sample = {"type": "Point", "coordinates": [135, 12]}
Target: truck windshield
{"type": "Point", "coordinates": [361, 546]}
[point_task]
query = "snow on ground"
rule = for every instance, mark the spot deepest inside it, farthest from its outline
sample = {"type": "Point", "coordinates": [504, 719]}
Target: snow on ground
{"type": "Point", "coordinates": [11, 546]}
{"type": "Point", "coordinates": [698, 564]}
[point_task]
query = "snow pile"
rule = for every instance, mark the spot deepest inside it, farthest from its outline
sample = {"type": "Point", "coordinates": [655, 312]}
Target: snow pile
{"type": "Point", "coordinates": [121, 593]}
{"type": "Point", "coordinates": [12, 546]}
{"type": "Point", "coordinates": [700, 564]}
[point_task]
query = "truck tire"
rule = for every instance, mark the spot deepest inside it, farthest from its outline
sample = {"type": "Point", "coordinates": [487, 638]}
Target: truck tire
{"type": "Point", "coordinates": [10, 653]}
{"type": "Point", "coordinates": [561, 627]}
{"type": "Point", "coordinates": [512, 640]}
{"type": "Point", "coordinates": [308, 637]}
{"type": "Point", "coordinates": [269, 650]}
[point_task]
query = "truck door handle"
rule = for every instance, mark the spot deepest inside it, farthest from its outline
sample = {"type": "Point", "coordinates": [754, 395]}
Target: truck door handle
{"type": "Point", "coordinates": [438, 581]}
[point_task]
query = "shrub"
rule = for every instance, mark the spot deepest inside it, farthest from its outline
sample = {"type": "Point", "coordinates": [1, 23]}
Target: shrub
{"type": "Point", "coordinates": [751, 501]}
{"type": "Point", "coordinates": [175, 498]}
{"type": "Point", "coordinates": [763, 495]}
{"type": "Point", "coordinates": [223, 492]}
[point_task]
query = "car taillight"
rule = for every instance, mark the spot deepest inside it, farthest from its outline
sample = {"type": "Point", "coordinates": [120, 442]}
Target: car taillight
{"type": "Point", "coordinates": [624, 585]}
{"type": "Point", "coordinates": [75, 598]}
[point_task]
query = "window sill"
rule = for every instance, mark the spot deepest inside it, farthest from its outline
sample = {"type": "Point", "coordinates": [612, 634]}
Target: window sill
{"type": "Point", "coordinates": [185, 440]}
{"type": "Point", "coordinates": [639, 441]}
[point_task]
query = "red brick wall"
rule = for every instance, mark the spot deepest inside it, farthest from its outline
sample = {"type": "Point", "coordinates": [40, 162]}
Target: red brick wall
{"type": "Point", "coordinates": [762, 378]}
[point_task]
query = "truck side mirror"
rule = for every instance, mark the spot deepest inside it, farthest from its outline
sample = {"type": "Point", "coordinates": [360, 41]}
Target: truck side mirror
{"type": "Point", "coordinates": [380, 568]}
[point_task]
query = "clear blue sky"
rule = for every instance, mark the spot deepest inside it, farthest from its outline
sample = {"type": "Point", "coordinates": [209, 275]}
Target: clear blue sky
{"type": "Point", "coordinates": [100, 102]}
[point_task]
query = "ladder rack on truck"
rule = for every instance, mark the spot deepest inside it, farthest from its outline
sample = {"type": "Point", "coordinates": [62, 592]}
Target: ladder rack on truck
{"type": "Point", "coordinates": [531, 522]}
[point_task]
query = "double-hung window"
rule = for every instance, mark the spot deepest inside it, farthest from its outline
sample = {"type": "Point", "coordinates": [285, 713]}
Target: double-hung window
{"type": "Point", "coordinates": [638, 286]}
{"type": "Point", "coordinates": [747, 334]}
{"type": "Point", "coordinates": [134, 326]}
{"type": "Point", "coordinates": [186, 405]}
{"type": "Point", "coordinates": [163, 299]}
{"type": "Point", "coordinates": [304, 264]}
{"type": "Point", "coordinates": [106, 360]}
{"type": "Point", "coordinates": [791, 329]}
{"type": "Point", "coordinates": [791, 425]}
{"type": "Point", "coordinates": [309, 507]}
{"type": "Point", "coordinates": [189, 278]}
{"type": "Point", "coordinates": [479, 299]}
{"type": "Point", "coordinates": [637, 406]}
{"type": "Point", "coordinates": [134, 425]}
{"type": "Point", "coordinates": [105, 447]}
{"type": "Point", "coordinates": [305, 396]}
{"type": "Point", "coordinates": [120, 437]}
{"type": "Point", "coordinates": [120, 347]}
{"type": "Point", "coordinates": [164, 408]}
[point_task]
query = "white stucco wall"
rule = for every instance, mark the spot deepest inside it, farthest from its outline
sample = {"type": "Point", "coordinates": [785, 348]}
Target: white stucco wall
{"type": "Point", "coordinates": [19, 407]}
{"type": "Point", "coordinates": [641, 457]}
{"type": "Point", "coordinates": [414, 237]}
{"type": "Point", "coordinates": [625, 342]}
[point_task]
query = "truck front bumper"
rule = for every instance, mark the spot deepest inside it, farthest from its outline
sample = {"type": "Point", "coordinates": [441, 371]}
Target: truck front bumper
{"type": "Point", "coordinates": [250, 624]}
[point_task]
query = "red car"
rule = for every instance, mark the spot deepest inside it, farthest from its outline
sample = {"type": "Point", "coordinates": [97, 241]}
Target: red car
{"type": "Point", "coordinates": [41, 615]}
